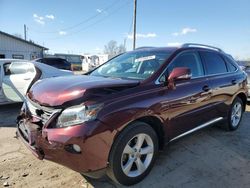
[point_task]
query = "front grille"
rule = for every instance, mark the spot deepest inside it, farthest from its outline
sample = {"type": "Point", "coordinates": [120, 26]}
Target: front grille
{"type": "Point", "coordinates": [44, 114]}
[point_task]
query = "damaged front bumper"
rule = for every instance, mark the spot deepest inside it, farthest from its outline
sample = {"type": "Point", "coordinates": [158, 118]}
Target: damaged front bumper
{"type": "Point", "coordinates": [94, 139]}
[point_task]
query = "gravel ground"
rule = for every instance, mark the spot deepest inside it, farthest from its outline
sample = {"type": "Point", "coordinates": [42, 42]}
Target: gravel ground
{"type": "Point", "coordinates": [211, 157]}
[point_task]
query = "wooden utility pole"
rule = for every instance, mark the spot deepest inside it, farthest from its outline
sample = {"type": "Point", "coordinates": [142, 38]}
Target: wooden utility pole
{"type": "Point", "coordinates": [25, 32]}
{"type": "Point", "coordinates": [134, 24]}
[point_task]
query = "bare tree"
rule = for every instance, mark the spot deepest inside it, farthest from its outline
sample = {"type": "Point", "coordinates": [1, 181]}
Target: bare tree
{"type": "Point", "coordinates": [112, 49]}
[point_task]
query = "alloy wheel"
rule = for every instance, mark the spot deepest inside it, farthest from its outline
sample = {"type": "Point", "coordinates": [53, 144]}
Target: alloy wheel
{"type": "Point", "coordinates": [137, 155]}
{"type": "Point", "coordinates": [236, 114]}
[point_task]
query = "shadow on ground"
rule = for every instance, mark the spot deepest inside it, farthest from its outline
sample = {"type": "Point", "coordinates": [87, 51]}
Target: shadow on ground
{"type": "Point", "coordinates": [8, 114]}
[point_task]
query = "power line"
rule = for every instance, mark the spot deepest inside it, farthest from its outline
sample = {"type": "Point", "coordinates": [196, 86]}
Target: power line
{"type": "Point", "coordinates": [83, 21]}
{"type": "Point", "coordinates": [93, 24]}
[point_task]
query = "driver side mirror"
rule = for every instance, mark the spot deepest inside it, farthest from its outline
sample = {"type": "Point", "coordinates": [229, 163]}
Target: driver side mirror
{"type": "Point", "coordinates": [179, 73]}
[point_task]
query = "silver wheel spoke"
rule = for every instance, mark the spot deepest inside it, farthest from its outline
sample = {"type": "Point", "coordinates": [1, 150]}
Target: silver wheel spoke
{"type": "Point", "coordinates": [128, 149]}
{"type": "Point", "coordinates": [236, 114]}
{"type": "Point", "coordinates": [128, 166]}
{"type": "Point", "coordinates": [140, 166]}
{"type": "Point", "coordinates": [132, 162]}
{"type": "Point", "coordinates": [146, 150]}
{"type": "Point", "coordinates": [140, 140]}
{"type": "Point", "coordinates": [237, 108]}
{"type": "Point", "coordinates": [233, 121]}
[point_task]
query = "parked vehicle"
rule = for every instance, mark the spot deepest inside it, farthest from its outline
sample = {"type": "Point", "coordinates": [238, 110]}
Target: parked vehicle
{"type": "Point", "coordinates": [245, 66]}
{"type": "Point", "coordinates": [17, 76]}
{"type": "Point", "coordinates": [74, 59]}
{"type": "Point", "coordinates": [56, 62]}
{"type": "Point", "coordinates": [115, 119]}
{"type": "Point", "coordinates": [247, 70]}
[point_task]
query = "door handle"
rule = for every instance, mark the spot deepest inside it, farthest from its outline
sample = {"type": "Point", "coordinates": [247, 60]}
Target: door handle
{"type": "Point", "coordinates": [206, 88]}
{"type": "Point", "coordinates": [27, 78]}
{"type": "Point", "coordinates": [234, 82]}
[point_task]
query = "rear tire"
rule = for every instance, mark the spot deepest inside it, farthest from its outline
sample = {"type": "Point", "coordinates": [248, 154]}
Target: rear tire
{"type": "Point", "coordinates": [235, 114]}
{"type": "Point", "coordinates": [133, 154]}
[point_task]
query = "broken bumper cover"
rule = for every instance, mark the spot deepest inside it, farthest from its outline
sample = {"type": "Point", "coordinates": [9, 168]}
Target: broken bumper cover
{"type": "Point", "coordinates": [55, 144]}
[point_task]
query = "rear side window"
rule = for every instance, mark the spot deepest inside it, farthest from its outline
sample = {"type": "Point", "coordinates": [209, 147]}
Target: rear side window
{"type": "Point", "coordinates": [51, 61]}
{"type": "Point", "coordinates": [214, 63]}
{"type": "Point", "coordinates": [190, 60]}
{"type": "Point", "coordinates": [230, 64]}
{"type": "Point", "coordinates": [66, 63]}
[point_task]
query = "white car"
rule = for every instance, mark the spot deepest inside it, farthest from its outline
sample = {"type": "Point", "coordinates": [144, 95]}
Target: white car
{"type": "Point", "coordinates": [17, 76]}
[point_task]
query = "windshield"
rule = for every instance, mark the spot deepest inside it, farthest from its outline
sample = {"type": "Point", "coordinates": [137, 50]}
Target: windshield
{"type": "Point", "coordinates": [137, 65]}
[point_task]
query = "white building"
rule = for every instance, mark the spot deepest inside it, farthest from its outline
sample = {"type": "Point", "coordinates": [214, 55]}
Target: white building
{"type": "Point", "coordinates": [17, 48]}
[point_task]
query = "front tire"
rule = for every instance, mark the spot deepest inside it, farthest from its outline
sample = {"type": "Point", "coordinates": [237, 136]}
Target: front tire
{"type": "Point", "coordinates": [133, 154]}
{"type": "Point", "coordinates": [235, 114]}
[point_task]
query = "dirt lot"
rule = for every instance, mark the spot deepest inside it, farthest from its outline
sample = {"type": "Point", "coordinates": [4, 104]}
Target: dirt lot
{"type": "Point", "coordinates": [209, 158]}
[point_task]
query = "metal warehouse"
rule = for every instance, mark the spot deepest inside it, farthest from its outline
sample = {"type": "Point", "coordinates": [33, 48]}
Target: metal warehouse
{"type": "Point", "coordinates": [18, 48]}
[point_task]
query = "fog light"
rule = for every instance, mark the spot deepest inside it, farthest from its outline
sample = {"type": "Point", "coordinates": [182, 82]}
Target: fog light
{"type": "Point", "coordinates": [73, 148]}
{"type": "Point", "coordinates": [76, 148]}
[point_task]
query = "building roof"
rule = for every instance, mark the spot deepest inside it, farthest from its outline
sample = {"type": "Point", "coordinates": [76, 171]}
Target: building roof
{"type": "Point", "coordinates": [22, 40]}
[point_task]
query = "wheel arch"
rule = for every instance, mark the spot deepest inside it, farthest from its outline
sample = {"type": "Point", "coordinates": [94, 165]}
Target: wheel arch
{"type": "Point", "coordinates": [153, 122]}
{"type": "Point", "coordinates": [158, 127]}
{"type": "Point", "coordinates": [243, 97]}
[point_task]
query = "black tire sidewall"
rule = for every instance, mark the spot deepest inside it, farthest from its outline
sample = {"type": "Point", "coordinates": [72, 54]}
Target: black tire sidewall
{"type": "Point", "coordinates": [230, 126]}
{"type": "Point", "coordinates": [114, 169]}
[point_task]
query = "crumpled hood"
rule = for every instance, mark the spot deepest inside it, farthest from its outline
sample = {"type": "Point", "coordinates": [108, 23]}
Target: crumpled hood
{"type": "Point", "coordinates": [56, 91]}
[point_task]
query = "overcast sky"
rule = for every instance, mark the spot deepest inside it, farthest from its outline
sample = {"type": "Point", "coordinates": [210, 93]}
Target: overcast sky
{"type": "Point", "coordinates": [85, 26]}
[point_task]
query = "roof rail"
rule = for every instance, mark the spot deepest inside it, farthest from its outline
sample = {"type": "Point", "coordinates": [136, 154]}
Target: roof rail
{"type": "Point", "coordinates": [188, 45]}
{"type": "Point", "coordinates": [144, 47]}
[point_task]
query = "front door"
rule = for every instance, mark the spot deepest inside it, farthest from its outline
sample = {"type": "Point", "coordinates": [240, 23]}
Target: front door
{"type": "Point", "coordinates": [188, 104]}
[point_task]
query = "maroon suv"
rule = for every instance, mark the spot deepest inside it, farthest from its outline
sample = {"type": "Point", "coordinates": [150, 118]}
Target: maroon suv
{"type": "Point", "coordinates": [115, 119]}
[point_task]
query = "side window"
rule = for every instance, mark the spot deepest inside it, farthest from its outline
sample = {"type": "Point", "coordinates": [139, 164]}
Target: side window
{"type": "Point", "coordinates": [20, 68]}
{"type": "Point", "coordinates": [230, 64]}
{"type": "Point", "coordinates": [190, 60]}
{"type": "Point", "coordinates": [17, 56]}
{"type": "Point", "coordinates": [66, 63]}
{"type": "Point", "coordinates": [214, 63]}
{"type": "Point", "coordinates": [53, 61]}
{"type": "Point", "coordinates": [6, 69]}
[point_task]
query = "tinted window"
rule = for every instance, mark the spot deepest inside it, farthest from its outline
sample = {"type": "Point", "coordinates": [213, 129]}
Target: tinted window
{"type": "Point", "coordinates": [51, 61]}
{"type": "Point", "coordinates": [191, 60]}
{"type": "Point", "coordinates": [66, 63]}
{"type": "Point", "coordinates": [230, 64]}
{"type": "Point", "coordinates": [6, 69]}
{"type": "Point", "coordinates": [214, 63]}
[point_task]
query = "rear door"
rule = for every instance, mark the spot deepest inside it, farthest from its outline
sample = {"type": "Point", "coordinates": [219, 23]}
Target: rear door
{"type": "Point", "coordinates": [224, 81]}
{"type": "Point", "coordinates": [16, 80]}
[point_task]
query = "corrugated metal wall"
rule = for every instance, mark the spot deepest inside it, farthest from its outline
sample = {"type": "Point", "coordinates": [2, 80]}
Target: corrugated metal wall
{"type": "Point", "coordinates": [11, 48]}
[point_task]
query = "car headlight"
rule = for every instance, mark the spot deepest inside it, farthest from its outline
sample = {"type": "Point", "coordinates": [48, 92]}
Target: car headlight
{"type": "Point", "coordinates": [78, 114]}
